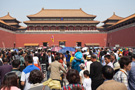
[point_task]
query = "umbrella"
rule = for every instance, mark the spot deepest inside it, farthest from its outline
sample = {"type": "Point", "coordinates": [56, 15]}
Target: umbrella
{"type": "Point", "coordinates": [16, 50]}
{"type": "Point", "coordinates": [63, 50]}
{"type": "Point", "coordinates": [84, 48]}
{"type": "Point", "coordinates": [56, 49]}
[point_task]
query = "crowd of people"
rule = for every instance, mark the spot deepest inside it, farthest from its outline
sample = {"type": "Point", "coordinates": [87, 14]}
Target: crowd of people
{"type": "Point", "coordinates": [82, 69]}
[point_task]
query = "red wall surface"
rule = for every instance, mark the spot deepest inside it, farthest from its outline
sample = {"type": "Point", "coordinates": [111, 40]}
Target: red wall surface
{"type": "Point", "coordinates": [7, 39]}
{"type": "Point", "coordinates": [124, 37]}
{"type": "Point", "coordinates": [70, 39]}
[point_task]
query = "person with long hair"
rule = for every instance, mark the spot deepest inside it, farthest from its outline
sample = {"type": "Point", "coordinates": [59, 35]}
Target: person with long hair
{"type": "Point", "coordinates": [10, 82]}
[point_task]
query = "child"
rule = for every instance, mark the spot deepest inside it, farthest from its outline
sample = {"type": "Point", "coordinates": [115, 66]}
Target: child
{"type": "Point", "coordinates": [82, 66]}
{"type": "Point", "coordinates": [87, 80]}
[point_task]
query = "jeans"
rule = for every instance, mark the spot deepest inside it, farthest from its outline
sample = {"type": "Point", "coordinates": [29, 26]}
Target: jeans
{"type": "Point", "coordinates": [48, 74]}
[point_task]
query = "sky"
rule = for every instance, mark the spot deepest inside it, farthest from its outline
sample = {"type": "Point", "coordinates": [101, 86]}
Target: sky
{"type": "Point", "coordinates": [103, 9]}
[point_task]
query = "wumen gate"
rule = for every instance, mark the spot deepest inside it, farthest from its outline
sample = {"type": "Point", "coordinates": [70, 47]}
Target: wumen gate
{"type": "Point", "coordinates": [69, 27]}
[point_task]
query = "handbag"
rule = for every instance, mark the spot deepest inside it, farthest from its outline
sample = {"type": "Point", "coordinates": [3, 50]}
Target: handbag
{"type": "Point", "coordinates": [54, 84]}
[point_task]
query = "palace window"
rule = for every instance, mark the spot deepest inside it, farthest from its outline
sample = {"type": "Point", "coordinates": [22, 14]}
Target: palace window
{"type": "Point", "coordinates": [79, 44]}
{"type": "Point", "coordinates": [45, 44]}
{"type": "Point", "coordinates": [62, 43]}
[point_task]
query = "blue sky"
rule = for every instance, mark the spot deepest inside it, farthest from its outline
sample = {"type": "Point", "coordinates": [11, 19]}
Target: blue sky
{"type": "Point", "coordinates": [102, 8]}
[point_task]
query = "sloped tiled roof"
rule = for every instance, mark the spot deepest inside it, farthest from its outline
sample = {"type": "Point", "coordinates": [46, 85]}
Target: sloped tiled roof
{"type": "Point", "coordinates": [125, 19]}
{"type": "Point", "coordinates": [61, 13]}
{"type": "Point", "coordinates": [114, 17]}
{"type": "Point", "coordinates": [8, 17]}
{"type": "Point", "coordinates": [3, 22]}
{"type": "Point", "coordinates": [61, 21]}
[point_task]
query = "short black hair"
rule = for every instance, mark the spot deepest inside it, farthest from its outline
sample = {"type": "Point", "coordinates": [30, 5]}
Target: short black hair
{"type": "Point", "coordinates": [125, 60]}
{"type": "Point", "coordinates": [67, 52]}
{"type": "Point", "coordinates": [49, 51]}
{"type": "Point", "coordinates": [108, 72]}
{"type": "Point", "coordinates": [93, 56]}
{"type": "Point", "coordinates": [29, 58]}
{"type": "Point", "coordinates": [16, 63]}
{"type": "Point", "coordinates": [36, 76]}
{"type": "Point", "coordinates": [108, 56]}
{"type": "Point", "coordinates": [86, 72]}
{"type": "Point", "coordinates": [73, 76]}
{"type": "Point", "coordinates": [5, 60]}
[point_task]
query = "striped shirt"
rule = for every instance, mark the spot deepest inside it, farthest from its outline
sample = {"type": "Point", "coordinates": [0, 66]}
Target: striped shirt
{"type": "Point", "coordinates": [121, 76]}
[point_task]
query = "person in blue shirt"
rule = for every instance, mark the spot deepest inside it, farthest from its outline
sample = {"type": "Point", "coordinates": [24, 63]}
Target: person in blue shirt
{"type": "Point", "coordinates": [78, 59]}
{"type": "Point", "coordinates": [68, 56]}
{"type": "Point", "coordinates": [131, 79]}
{"type": "Point", "coordinates": [26, 72]}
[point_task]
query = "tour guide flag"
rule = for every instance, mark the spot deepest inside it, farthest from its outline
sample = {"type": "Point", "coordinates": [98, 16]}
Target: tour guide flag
{"type": "Point", "coordinates": [52, 38]}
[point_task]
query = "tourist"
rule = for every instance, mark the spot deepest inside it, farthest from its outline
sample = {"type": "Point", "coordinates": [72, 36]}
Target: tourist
{"type": "Point", "coordinates": [35, 79]}
{"type": "Point", "coordinates": [36, 61]}
{"type": "Point", "coordinates": [122, 75]}
{"type": "Point", "coordinates": [87, 80]}
{"type": "Point", "coordinates": [49, 59]}
{"type": "Point", "coordinates": [116, 54]}
{"type": "Point", "coordinates": [22, 61]}
{"type": "Point", "coordinates": [125, 52]}
{"type": "Point", "coordinates": [82, 66]}
{"type": "Point", "coordinates": [108, 60]}
{"type": "Point", "coordinates": [9, 82]}
{"type": "Point", "coordinates": [88, 63]}
{"type": "Point", "coordinates": [96, 73]}
{"type": "Point", "coordinates": [103, 59]}
{"type": "Point", "coordinates": [110, 84]}
{"type": "Point", "coordinates": [5, 68]}
{"type": "Point", "coordinates": [16, 65]}
{"type": "Point", "coordinates": [113, 58]}
{"type": "Point", "coordinates": [131, 79]}
{"type": "Point", "coordinates": [55, 68]}
{"type": "Point", "coordinates": [68, 56]}
{"type": "Point", "coordinates": [78, 59]}
{"type": "Point", "coordinates": [26, 72]}
{"type": "Point", "coordinates": [74, 80]}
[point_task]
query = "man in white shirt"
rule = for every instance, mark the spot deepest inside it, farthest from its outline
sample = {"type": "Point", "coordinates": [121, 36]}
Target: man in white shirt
{"type": "Point", "coordinates": [49, 59]}
{"type": "Point", "coordinates": [108, 60]}
{"type": "Point", "coordinates": [26, 72]}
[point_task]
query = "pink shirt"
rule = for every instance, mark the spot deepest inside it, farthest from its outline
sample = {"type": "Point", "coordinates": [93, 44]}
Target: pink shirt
{"type": "Point", "coordinates": [13, 88]}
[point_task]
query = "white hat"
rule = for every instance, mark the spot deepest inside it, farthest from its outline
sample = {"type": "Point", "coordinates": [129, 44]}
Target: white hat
{"type": "Point", "coordinates": [116, 66]}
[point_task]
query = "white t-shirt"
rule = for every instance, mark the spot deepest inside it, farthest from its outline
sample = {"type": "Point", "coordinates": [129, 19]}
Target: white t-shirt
{"type": "Point", "coordinates": [87, 83]}
{"type": "Point", "coordinates": [110, 64]}
{"type": "Point", "coordinates": [50, 59]}
{"type": "Point", "coordinates": [81, 74]}
{"type": "Point", "coordinates": [103, 59]}
{"type": "Point", "coordinates": [87, 67]}
{"type": "Point", "coordinates": [116, 56]}
{"type": "Point", "coordinates": [35, 60]}
{"type": "Point", "coordinates": [24, 77]}
{"type": "Point", "coordinates": [1, 60]}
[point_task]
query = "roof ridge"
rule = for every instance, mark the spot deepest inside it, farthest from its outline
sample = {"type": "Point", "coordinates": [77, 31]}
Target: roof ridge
{"type": "Point", "coordinates": [42, 12]}
{"type": "Point", "coordinates": [87, 13]}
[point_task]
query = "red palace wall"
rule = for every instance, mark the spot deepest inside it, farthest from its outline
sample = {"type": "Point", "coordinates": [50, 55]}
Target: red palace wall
{"type": "Point", "coordinates": [70, 39]}
{"type": "Point", "coordinates": [123, 37]}
{"type": "Point", "coordinates": [7, 39]}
